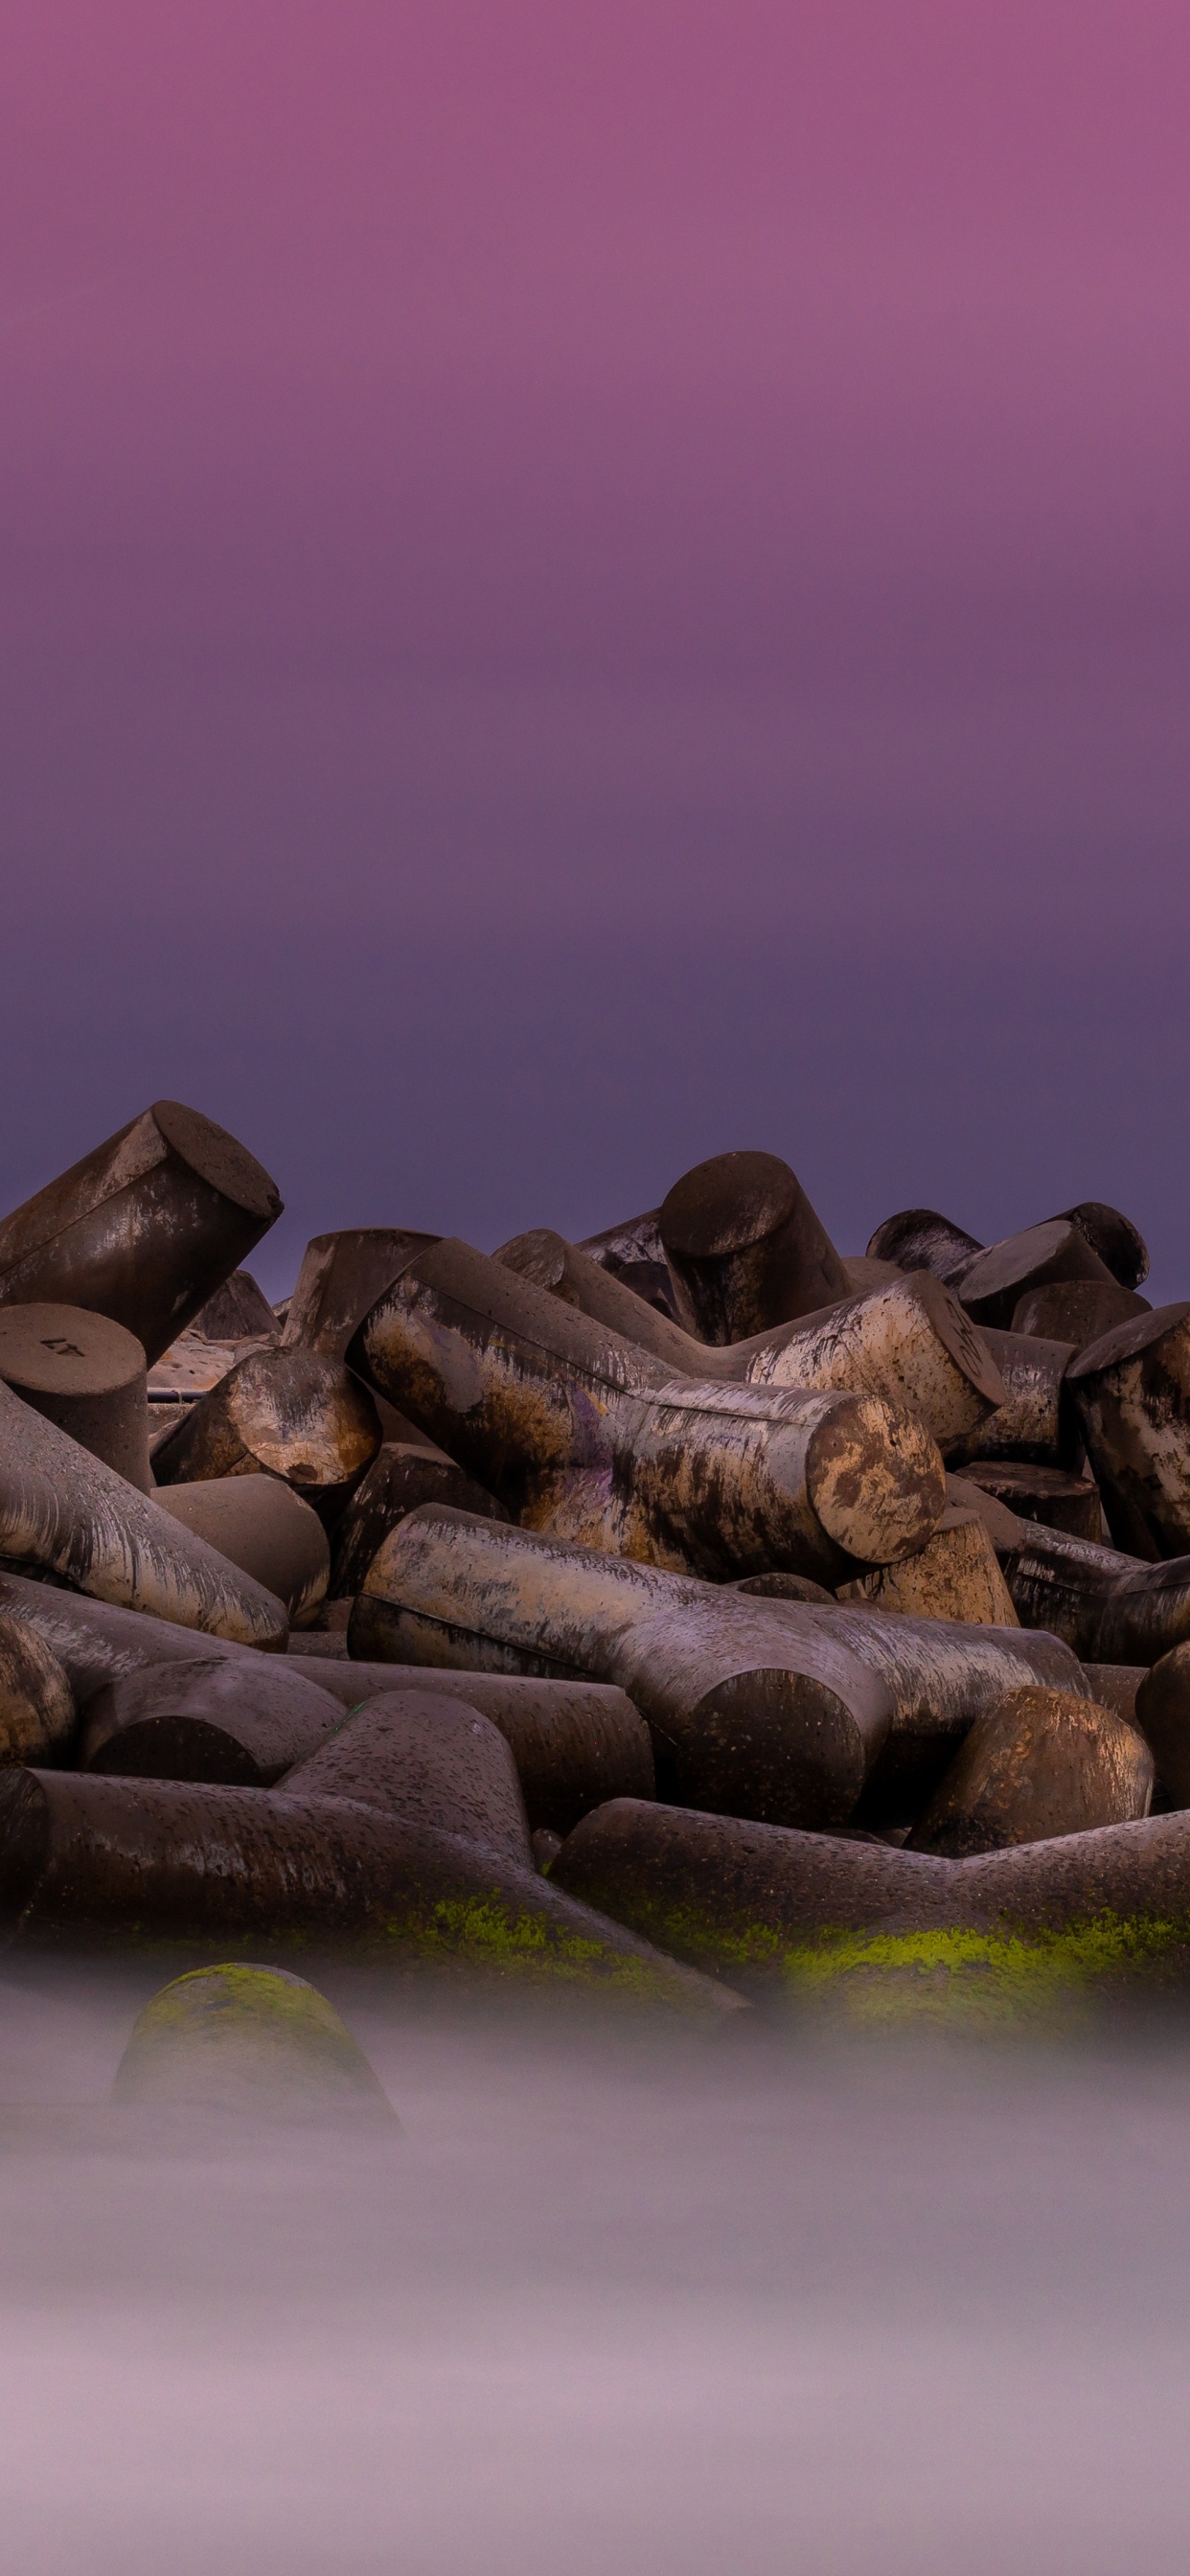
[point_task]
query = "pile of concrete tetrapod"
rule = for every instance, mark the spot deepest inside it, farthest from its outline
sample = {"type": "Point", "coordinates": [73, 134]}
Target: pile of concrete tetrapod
{"type": "Point", "coordinates": [675, 1611]}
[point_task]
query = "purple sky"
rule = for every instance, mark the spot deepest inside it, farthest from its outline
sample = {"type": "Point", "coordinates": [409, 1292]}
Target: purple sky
{"type": "Point", "coordinates": [584, 584]}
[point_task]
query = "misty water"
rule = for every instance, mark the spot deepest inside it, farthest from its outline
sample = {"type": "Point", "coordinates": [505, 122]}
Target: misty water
{"type": "Point", "coordinates": [635, 2299]}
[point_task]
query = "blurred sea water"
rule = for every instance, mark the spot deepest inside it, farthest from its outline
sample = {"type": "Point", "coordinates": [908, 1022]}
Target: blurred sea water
{"type": "Point", "coordinates": [637, 2300]}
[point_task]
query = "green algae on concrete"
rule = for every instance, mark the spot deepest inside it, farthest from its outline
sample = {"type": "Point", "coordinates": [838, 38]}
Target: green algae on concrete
{"type": "Point", "coordinates": [970, 1979]}
{"type": "Point", "coordinates": [251, 2039]}
{"type": "Point", "coordinates": [959, 1976]}
{"type": "Point", "coordinates": [485, 1934]}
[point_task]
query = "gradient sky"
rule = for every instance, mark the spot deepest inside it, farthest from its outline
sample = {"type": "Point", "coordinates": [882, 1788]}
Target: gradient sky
{"type": "Point", "coordinates": [588, 583]}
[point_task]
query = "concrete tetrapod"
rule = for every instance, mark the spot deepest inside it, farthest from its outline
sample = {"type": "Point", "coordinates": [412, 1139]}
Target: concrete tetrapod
{"type": "Point", "coordinates": [745, 1248]}
{"type": "Point", "coordinates": [1163, 1716]}
{"type": "Point", "coordinates": [340, 1279]}
{"type": "Point", "coordinates": [1115, 1686]}
{"type": "Point", "coordinates": [1037, 1422]}
{"type": "Point", "coordinates": [1114, 1237]}
{"type": "Point", "coordinates": [261, 1525]}
{"type": "Point", "coordinates": [745, 1713]}
{"type": "Point", "coordinates": [152, 1860]}
{"type": "Point", "coordinates": [920, 1239]}
{"type": "Point", "coordinates": [569, 1273]}
{"type": "Point", "coordinates": [63, 1509]}
{"type": "Point", "coordinates": [288, 1413]}
{"type": "Point", "coordinates": [94, 1641]}
{"type": "Point", "coordinates": [428, 1758]}
{"type": "Point", "coordinates": [400, 1477]}
{"type": "Point", "coordinates": [1132, 1393]}
{"type": "Point", "coordinates": [904, 1338]}
{"type": "Point", "coordinates": [634, 1253]}
{"type": "Point", "coordinates": [941, 1675]}
{"type": "Point", "coordinates": [36, 1700]}
{"type": "Point", "coordinates": [755, 1706]}
{"type": "Point", "coordinates": [907, 1340]}
{"type": "Point", "coordinates": [257, 2042]}
{"type": "Point", "coordinates": [1076, 1310]}
{"type": "Point", "coordinates": [574, 1744]}
{"type": "Point", "coordinates": [956, 1575]}
{"type": "Point", "coordinates": [1039, 1764]}
{"type": "Point", "coordinates": [241, 1719]}
{"type": "Point", "coordinates": [239, 1311]}
{"type": "Point", "coordinates": [580, 1432]}
{"type": "Point", "coordinates": [998, 1278]}
{"type": "Point", "coordinates": [750, 1899]}
{"type": "Point", "coordinates": [86, 1374]}
{"type": "Point", "coordinates": [1042, 1494]}
{"type": "Point", "coordinates": [1110, 1608]}
{"type": "Point", "coordinates": [144, 1229]}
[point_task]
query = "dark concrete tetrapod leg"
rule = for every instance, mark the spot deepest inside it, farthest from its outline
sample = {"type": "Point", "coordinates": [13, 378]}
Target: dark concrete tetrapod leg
{"type": "Point", "coordinates": [920, 1239]}
{"type": "Point", "coordinates": [289, 1413]}
{"type": "Point", "coordinates": [992, 1288]}
{"type": "Point", "coordinates": [144, 1229]}
{"type": "Point", "coordinates": [260, 1524]}
{"type": "Point", "coordinates": [341, 1276]}
{"type": "Point", "coordinates": [745, 1248]}
{"type": "Point", "coordinates": [1131, 1390]}
{"type": "Point", "coordinates": [434, 1760]}
{"type": "Point", "coordinates": [85, 1373]}
{"type": "Point", "coordinates": [234, 1719]}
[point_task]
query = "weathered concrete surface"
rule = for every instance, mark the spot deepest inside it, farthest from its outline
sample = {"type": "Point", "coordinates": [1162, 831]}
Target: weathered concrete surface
{"type": "Point", "coordinates": [261, 1525]}
{"type": "Point", "coordinates": [751, 1702]}
{"type": "Point", "coordinates": [1109, 1607]}
{"type": "Point", "coordinates": [434, 1760]}
{"type": "Point", "coordinates": [1163, 1715]}
{"type": "Point", "coordinates": [341, 1277]}
{"type": "Point", "coordinates": [157, 1860]}
{"type": "Point", "coordinates": [997, 1280]}
{"type": "Point", "coordinates": [745, 1898]}
{"type": "Point", "coordinates": [1131, 1390]}
{"type": "Point", "coordinates": [1076, 1310]}
{"type": "Point", "coordinates": [1044, 1494]}
{"type": "Point", "coordinates": [36, 1700]}
{"type": "Point", "coordinates": [580, 1433]}
{"type": "Point", "coordinates": [920, 1239]}
{"type": "Point", "coordinates": [956, 1575]}
{"type": "Point", "coordinates": [1039, 1764]}
{"type": "Point", "coordinates": [908, 1340]}
{"type": "Point", "coordinates": [63, 1509]}
{"type": "Point", "coordinates": [287, 1413]}
{"type": "Point", "coordinates": [575, 1743]}
{"type": "Point", "coordinates": [256, 2042]}
{"type": "Point", "coordinates": [402, 1475]}
{"type": "Point", "coordinates": [240, 1719]}
{"type": "Point", "coordinates": [144, 1228]}
{"type": "Point", "coordinates": [95, 1641]}
{"type": "Point", "coordinates": [1037, 1421]}
{"type": "Point", "coordinates": [1114, 1237]}
{"type": "Point", "coordinates": [745, 1248]}
{"type": "Point", "coordinates": [85, 1373]}
{"type": "Point", "coordinates": [746, 1711]}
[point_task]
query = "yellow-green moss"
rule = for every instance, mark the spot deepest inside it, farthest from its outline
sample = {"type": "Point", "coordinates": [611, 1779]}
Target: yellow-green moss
{"type": "Point", "coordinates": [945, 1975]}
{"type": "Point", "coordinates": [482, 1932]}
{"type": "Point", "coordinates": [970, 1978]}
{"type": "Point", "coordinates": [240, 2031]}
{"type": "Point", "coordinates": [243, 1995]}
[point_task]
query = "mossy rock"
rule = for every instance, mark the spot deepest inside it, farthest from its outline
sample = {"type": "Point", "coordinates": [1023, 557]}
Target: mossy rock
{"type": "Point", "coordinates": [246, 2039]}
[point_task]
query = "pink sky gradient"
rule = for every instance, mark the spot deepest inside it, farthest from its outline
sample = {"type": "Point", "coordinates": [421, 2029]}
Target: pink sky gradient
{"type": "Point", "coordinates": [487, 475]}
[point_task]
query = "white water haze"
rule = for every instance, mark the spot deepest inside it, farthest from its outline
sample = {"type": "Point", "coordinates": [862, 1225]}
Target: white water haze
{"type": "Point", "coordinates": [653, 2305]}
